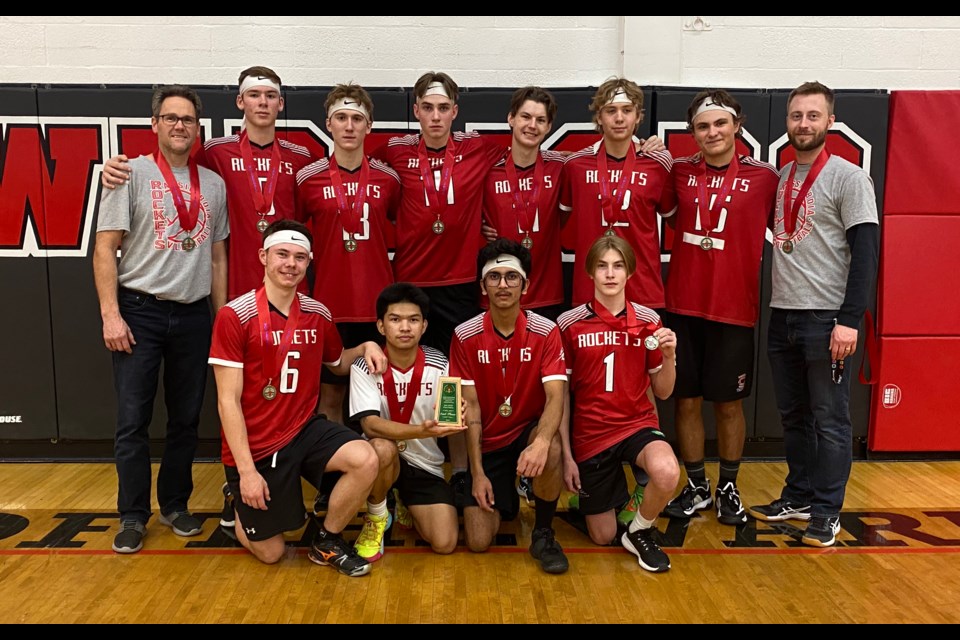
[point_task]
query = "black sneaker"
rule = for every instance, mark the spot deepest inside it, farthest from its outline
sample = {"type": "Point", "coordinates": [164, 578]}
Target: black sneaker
{"type": "Point", "coordinates": [525, 489]}
{"type": "Point", "coordinates": [822, 531]}
{"type": "Point", "coordinates": [642, 544]}
{"type": "Point", "coordinates": [331, 549]}
{"type": "Point", "coordinates": [227, 516]}
{"type": "Point", "coordinates": [545, 548]}
{"type": "Point", "coordinates": [130, 538]}
{"type": "Point", "coordinates": [729, 508]}
{"type": "Point", "coordinates": [780, 509]}
{"type": "Point", "coordinates": [320, 503]}
{"type": "Point", "coordinates": [183, 523]}
{"type": "Point", "coordinates": [459, 483]}
{"type": "Point", "coordinates": [693, 498]}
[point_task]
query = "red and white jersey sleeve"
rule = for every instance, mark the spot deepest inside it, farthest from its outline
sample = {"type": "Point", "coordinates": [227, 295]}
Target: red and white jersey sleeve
{"type": "Point", "coordinates": [223, 156]}
{"type": "Point", "coordinates": [638, 223]}
{"type": "Point", "coordinates": [541, 360]}
{"type": "Point", "coordinates": [609, 374]}
{"type": "Point", "coordinates": [499, 210]}
{"type": "Point", "coordinates": [720, 284]}
{"type": "Point", "coordinates": [348, 282]}
{"type": "Point", "coordinates": [236, 343]}
{"type": "Point", "coordinates": [423, 257]}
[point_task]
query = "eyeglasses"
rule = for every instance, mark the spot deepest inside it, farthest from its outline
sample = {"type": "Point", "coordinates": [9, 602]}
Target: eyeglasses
{"type": "Point", "coordinates": [172, 119]}
{"type": "Point", "coordinates": [512, 277]}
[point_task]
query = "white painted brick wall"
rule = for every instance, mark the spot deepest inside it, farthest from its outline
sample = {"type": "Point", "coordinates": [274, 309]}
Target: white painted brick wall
{"type": "Point", "coordinates": [886, 52]}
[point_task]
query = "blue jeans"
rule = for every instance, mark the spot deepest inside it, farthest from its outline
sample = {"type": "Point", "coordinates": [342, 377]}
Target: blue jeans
{"type": "Point", "coordinates": [814, 410]}
{"type": "Point", "coordinates": [179, 336]}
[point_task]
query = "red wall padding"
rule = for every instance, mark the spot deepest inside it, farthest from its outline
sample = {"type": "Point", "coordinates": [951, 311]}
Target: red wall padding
{"type": "Point", "coordinates": [921, 162]}
{"type": "Point", "coordinates": [914, 400]}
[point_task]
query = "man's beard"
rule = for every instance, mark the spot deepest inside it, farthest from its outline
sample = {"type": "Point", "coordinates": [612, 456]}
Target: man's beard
{"type": "Point", "coordinates": [816, 141]}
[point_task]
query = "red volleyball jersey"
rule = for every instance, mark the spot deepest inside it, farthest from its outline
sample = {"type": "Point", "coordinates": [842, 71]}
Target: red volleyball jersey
{"type": "Point", "coordinates": [473, 358]}
{"type": "Point", "coordinates": [223, 156]}
{"type": "Point", "coordinates": [501, 213]}
{"type": "Point", "coordinates": [609, 373]}
{"type": "Point", "coordinates": [721, 283]}
{"type": "Point", "coordinates": [636, 220]}
{"type": "Point", "coordinates": [348, 282]}
{"type": "Point", "coordinates": [271, 424]}
{"type": "Point", "coordinates": [423, 257]}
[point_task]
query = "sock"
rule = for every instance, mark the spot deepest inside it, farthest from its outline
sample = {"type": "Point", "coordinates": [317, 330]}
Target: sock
{"type": "Point", "coordinates": [378, 510]}
{"type": "Point", "coordinates": [639, 522]}
{"type": "Point", "coordinates": [696, 472]}
{"type": "Point", "coordinates": [544, 511]}
{"type": "Point", "coordinates": [728, 472]}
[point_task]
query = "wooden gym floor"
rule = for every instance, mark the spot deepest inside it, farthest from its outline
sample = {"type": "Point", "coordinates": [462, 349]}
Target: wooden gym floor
{"type": "Point", "coordinates": [897, 560]}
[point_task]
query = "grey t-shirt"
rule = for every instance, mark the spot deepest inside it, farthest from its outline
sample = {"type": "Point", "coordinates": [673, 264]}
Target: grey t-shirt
{"type": "Point", "coordinates": [152, 259]}
{"type": "Point", "coordinates": [814, 274]}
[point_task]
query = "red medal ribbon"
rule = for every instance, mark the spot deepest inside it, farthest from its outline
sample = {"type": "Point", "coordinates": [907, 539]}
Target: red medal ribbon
{"type": "Point", "coordinates": [262, 199]}
{"type": "Point", "coordinates": [703, 205]}
{"type": "Point", "coordinates": [507, 380]}
{"type": "Point", "coordinates": [446, 173]}
{"type": "Point", "coordinates": [629, 323]}
{"type": "Point", "coordinates": [350, 217]}
{"type": "Point", "coordinates": [791, 207]}
{"type": "Point", "coordinates": [611, 204]}
{"type": "Point", "coordinates": [401, 413]}
{"type": "Point", "coordinates": [523, 205]}
{"type": "Point", "coordinates": [274, 355]}
{"type": "Point", "coordinates": [187, 215]}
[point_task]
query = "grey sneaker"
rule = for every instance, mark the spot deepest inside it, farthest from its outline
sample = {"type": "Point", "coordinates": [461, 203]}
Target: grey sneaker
{"type": "Point", "coordinates": [183, 523]}
{"type": "Point", "coordinates": [130, 538]}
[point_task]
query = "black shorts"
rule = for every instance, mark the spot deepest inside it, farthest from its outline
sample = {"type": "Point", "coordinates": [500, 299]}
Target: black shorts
{"type": "Point", "coordinates": [500, 467]}
{"type": "Point", "coordinates": [603, 485]}
{"type": "Point", "coordinates": [419, 487]}
{"type": "Point", "coordinates": [351, 334]}
{"type": "Point", "coordinates": [714, 359]}
{"type": "Point", "coordinates": [449, 306]}
{"type": "Point", "coordinates": [307, 455]}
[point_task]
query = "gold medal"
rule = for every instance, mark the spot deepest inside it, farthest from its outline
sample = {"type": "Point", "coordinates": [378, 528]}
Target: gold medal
{"type": "Point", "coordinates": [506, 410]}
{"type": "Point", "coordinates": [609, 232]}
{"type": "Point", "coordinates": [350, 245]}
{"type": "Point", "coordinates": [269, 392]}
{"type": "Point", "coordinates": [262, 225]}
{"type": "Point", "coordinates": [401, 446]}
{"type": "Point", "coordinates": [527, 242]}
{"type": "Point", "coordinates": [787, 246]}
{"type": "Point", "coordinates": [188, 244]}
{"type": "Point", "coordinates": [651, 342]}
{"type": "Point", "coordinates": [438, 227]}
{"type": "Point", "coordinates": [706, 244]}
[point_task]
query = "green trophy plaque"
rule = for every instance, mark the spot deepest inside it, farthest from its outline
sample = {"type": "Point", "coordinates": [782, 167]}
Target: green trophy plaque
{"type": "Point", "coordinates": [448, 402]}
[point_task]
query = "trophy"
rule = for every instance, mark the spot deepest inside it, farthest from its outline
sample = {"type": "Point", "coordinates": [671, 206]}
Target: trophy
{"type": "Point", "coordinates": [448, 402]}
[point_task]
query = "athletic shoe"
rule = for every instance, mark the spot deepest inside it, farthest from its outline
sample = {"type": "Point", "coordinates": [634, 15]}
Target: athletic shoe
{"type": "Point", "coordinates": [642, 544]}
{"type": "Point", "coordinates": [401, 515]}
{"type": "Point", "coordinates": [183, 523]}
{"type": "Point", "coordinates": [625, 516]}
{"type": "Point", "coordinates": [320, 503]}
{"type": "Point", "coordinates": [545, 548]}
{"type": "Point", "coordinates": [331, 549]}
{"type": "Point", "coordinates": [525, 489]}
{"type": "Point", "coordinates": [130, 538]}
{"type": "Point", "coordinates": [227, 515]}
{"type": "Point", "coordinates": [729, 508]}
{"type": "Point", "coordinates": [693, 498]}
{"type": "Point", "coordinates": [369, 544]}
{"type": "Point", "coordinates": [822, 531]}
{"type": "Point", "coordinates": [573, 502]}
{"type": "Point", "coordinates": [780, 509]}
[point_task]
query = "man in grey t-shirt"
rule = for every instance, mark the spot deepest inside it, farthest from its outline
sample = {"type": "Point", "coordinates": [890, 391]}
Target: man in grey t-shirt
{"type": "Point", "coordinates": [171, 220]}
{"type": "Point", "coordinates": [826, 247]}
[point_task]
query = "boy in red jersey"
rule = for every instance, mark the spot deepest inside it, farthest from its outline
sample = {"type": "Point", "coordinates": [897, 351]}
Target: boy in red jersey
{"type": "Point", "coordinates": [615, 349]}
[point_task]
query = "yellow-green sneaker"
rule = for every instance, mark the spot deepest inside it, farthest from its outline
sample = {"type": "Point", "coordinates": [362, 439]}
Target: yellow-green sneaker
{"type": "Point", "coordinates": [633, 504]}
{"type": "Point", "coordinates": [369, 544]}
{"type": "Point", "coordinates": [401, 514]}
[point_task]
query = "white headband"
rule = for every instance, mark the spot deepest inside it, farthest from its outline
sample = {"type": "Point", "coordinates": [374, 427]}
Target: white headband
{"type": "Point", "coordinates": [619, 97]}
{"type": "Point", "coordinates": [287, 236]}
{"type": "Point", "coordinates": [504, 260]}
{"type": "Point", "coordinates": [436, 89]}
{"type": "Point", "coordinates": [710, 105]}
{"type": "Point", "coordinates": [258, 81]}
{"type": "Point", "coordinates": [348, 104]}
